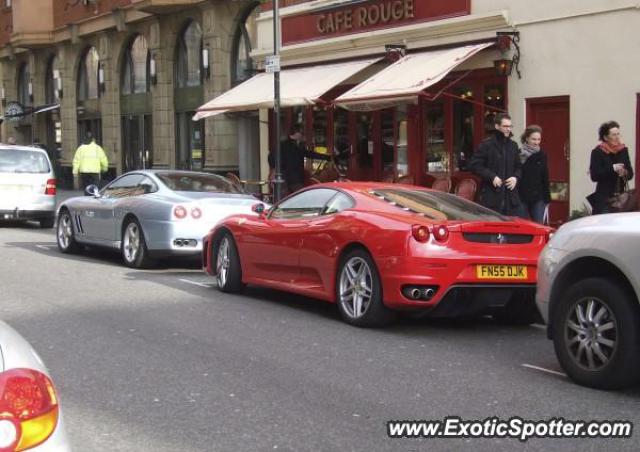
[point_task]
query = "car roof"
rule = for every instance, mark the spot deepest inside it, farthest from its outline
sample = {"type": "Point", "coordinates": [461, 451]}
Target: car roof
{"type": "Point", "coordinates": [15, 147]}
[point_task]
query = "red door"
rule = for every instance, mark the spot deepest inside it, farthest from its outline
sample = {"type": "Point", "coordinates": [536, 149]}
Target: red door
{"type": "Point", "coordinates": [552, 114]}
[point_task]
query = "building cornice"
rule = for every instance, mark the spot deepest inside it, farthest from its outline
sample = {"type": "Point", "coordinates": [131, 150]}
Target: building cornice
{"type": "Point", "coordinates": [414, 36]}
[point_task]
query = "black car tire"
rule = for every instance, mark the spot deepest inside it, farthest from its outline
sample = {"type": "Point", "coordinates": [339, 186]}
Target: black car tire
{"type": "Point", "coordinates": [141, 259]}
{"type": "Point", "coordinates": [521, 310]}
{"type": "Point", "coordinates": [233, 281]}
{"type": "Point", "coordinates": [376, 314]}
{"type": "Point", "coordinates": [622, 369]}
{"type": "Point", "coordinates": [64, 220]}
{"type": "Point", "coordinates": [47, 223]}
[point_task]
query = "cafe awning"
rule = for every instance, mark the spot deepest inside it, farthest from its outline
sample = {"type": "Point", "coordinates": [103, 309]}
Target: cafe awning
{"type": "Point", "coordinates": [404, 80]}
{"type": "Point", "coordinates": [300, 86]}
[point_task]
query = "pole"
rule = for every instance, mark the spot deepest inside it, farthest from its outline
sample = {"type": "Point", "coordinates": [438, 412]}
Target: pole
{"type": "Point", "coordinates": [279, 181]}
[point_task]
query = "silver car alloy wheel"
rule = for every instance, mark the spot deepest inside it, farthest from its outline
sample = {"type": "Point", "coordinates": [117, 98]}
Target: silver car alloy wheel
{"type": "Point", "coordinates": [131, 242]}
{"type": "Point", "coordinates": [65, 231]}
{"type": "Point", "coordinates": [222, 262]}
{"type": "Point", "coordinates": [356, 287]}
{"type": "Point", "coordinates": [591, 333]}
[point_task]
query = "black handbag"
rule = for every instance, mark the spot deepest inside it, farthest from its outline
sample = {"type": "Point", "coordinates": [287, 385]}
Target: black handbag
{"type": "Point", "coordinates": [625, 200]}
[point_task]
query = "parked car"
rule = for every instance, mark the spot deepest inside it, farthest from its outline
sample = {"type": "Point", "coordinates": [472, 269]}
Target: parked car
{"type": "Point", "coordinates": [27, 185]}
{"type": "Point", "coordinates": [589, 295]}
{"type": "Point", "coordinates": [376, 248]}
{"type": "Point", "coordinates": [31, 415]}
{"type": "Point", "coordinates": [150, 214]}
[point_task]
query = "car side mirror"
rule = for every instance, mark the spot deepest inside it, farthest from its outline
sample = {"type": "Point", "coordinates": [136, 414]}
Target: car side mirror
{"type": "Point", "coordinates": [92, 190]}
{"type": "Point", "coordinates": [258, 208]}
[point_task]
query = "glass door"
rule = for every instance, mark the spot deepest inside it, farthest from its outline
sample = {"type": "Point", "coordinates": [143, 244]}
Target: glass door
{"type": "Point", "coordinates": [189, 142]}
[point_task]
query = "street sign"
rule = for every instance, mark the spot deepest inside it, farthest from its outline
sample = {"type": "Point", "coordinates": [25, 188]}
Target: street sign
{"type": "Point", "coordinates": [272, 64]}
{"type": "Point", "coordinates": [14, 111]}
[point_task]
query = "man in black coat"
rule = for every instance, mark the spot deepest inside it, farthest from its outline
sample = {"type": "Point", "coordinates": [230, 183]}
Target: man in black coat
{"type": "Point", "coordinates": [497, 162]}
{"type": "Point", "coordinates": [292, 154]}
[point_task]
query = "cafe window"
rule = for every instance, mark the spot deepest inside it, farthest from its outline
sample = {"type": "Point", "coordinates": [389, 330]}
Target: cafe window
{"type": "Point", "coordinates": [189, 57]}
{"type": "Point", "coordinates": [135, 68]}
{"type": "Point", "coordinates": [341, 141]}
{"type": "Point", "coordinates": [458, 120]}
{"type": "Point", "coordinates": [436, 139]}
{"type": "Point", "coordinates": [88, 75]}
{"type": "Point", "coordinates": [365, 143]}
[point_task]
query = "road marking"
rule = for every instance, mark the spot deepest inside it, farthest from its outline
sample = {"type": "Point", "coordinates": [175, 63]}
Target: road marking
{"type": "Point", "coordinates": [542, 369]}
{"type": "Point", "coordinates": [208, 286]}
{"type": "Point", "coordinates": [46, 247]}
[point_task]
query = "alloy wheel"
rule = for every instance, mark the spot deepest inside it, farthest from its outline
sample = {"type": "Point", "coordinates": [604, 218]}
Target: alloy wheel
{"type": "Point", "coordinates": [591, 333]}
{"type": "Point", "coordinates": [65, 231]}
{"type": "Point", "coordinates": [222, 262]}
{"type": "Point", "coordinates": [131, 242]}
{"type": "Point", "coordinates": [356, 287]}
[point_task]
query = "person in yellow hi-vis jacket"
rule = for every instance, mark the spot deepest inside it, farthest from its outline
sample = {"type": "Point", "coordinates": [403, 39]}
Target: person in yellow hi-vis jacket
{"type": "Point", "coordinates": [89, 161]}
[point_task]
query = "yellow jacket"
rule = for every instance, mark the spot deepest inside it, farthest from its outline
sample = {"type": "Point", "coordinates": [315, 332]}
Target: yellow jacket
{"type": "Point", "coordinates": [90, 158]}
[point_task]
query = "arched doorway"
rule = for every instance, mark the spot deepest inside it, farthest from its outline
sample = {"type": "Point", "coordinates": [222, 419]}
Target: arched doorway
{"type": "Point", "coordinates": [135, 105]}
{"type": "Point", "coordinates": [88, 96]}
{"type": "Point", "coordinates": [189, 95]}
{"type": "Point", "coordinates": [243, 68]}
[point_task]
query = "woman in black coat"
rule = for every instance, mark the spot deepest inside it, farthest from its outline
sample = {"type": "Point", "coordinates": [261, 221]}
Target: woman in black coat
{"type": "Point", "coordinates": [534, 185]}
{"type": "Point", "coordinates": [610, 166]}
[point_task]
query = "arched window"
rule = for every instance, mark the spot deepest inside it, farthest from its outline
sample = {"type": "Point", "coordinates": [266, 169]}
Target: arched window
{"type": "Point", "coordinates": [189, 57]}
{"type": "Point", "coordinates": [88, 75]}
{"type": "Point", "coordinates": [50, 89]}
{"type": "Point", "coordinates": [24, 77]}
{"type": "Point", "coordinates": [135, 67]}
{"type": "Point", "coordinates": [242, 66]}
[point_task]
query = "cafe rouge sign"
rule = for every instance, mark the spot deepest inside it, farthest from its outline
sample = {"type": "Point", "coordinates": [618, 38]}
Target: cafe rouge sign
{"type": "Point", "coordinates": [368, 15]}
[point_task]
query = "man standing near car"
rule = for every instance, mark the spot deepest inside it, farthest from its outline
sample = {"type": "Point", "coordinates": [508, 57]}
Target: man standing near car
{"type": "Point", "coordinates": [497, 162]}
{"type": "Point", "coordinates": [88, 162]}
{"type": "Point", "coordinates": [293, 154]}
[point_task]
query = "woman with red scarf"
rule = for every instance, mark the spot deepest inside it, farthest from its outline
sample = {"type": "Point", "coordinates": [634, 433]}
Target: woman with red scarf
{"type": "Point", "coordinates": [610, 166]}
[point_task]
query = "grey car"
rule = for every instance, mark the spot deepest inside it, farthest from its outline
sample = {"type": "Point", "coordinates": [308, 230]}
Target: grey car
{"type": "Point", "coordinates": [150, 214]}
{"type": "Point", "coordinates": [589, 295]}
{"type": "Point", "coordinates": [31, 414]}
{"type": "Point", "coordinates": [27, 185]}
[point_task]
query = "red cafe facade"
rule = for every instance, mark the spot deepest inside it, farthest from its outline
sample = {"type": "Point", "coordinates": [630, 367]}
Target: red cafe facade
{"type": "Point", "coordinates": [405, 90]}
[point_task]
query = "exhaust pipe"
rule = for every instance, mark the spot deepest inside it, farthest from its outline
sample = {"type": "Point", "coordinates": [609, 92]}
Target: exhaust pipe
{"type": "Point", "coordinates": [428, 293]}
{"type": "Point", "coordinates": [415, 294]}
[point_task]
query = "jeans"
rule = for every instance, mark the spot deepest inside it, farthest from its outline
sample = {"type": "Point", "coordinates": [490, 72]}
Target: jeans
{"type": "Point", "coordinates": [534, 210]}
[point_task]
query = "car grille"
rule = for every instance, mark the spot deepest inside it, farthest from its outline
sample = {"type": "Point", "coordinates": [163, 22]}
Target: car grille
{"type": "Point", "coordinates": [483, 237]}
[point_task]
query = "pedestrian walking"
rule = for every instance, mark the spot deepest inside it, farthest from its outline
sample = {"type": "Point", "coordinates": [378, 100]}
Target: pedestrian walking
{"type": "Point", "coordinates": [497, 162]}
{"type": "Point", "coordinates": [534, 186]}
{"type": "Point", "coordinates": [610, 167]}
{"type": "Point", "coordinates": [89, 162]}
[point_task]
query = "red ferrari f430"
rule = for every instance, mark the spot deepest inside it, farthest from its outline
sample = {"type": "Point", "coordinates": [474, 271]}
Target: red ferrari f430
{"type": "Point", "coordinates": [375, 249]}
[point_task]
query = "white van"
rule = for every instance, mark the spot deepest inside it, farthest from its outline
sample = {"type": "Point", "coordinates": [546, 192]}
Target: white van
{"type": "Point", "coordinates": [27, 185]}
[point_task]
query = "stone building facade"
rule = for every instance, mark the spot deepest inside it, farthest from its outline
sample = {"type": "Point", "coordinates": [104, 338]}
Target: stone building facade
{"type": "Point", "coordinates": [131, 72]}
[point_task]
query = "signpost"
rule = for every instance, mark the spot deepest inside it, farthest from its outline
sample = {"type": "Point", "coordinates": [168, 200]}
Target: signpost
{"type": "Point", "coordinates": [273, 65]}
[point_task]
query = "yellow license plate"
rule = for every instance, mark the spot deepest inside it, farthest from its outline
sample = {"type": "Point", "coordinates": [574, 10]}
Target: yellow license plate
{"type": "Point", "coordinates": [501, 271]}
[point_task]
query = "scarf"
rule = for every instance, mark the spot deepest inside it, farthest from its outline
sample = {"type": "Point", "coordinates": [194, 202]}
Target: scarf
{"type": "Point", "coordinates": [608, 148]}
{"type": "Point", "coordinates": [527, 151]}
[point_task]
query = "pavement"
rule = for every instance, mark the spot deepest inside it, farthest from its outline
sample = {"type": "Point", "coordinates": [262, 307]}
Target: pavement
{"type": "Point", "coordinates": [159, 360]}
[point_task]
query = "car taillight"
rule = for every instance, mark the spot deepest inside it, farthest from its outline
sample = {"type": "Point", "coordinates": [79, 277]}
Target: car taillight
{"type": "Point", "coordinates": [196, 213]}
{"type": "Point", "coordinates": [50, 188]}
{"type": "Point", "coordinates": [441, 233]}
{"type": "Point", "coordinates": [420, 233]}
{"type": "Point", "coordinates": [28, 409]}
{"type": "Point", "coordinates": [179, 212]}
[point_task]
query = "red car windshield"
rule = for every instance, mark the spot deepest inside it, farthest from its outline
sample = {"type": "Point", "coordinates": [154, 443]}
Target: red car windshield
{"type": "Point", "coordinates": [437, 205]}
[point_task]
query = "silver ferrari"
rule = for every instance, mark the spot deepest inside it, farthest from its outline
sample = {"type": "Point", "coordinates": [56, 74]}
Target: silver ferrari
{"type": "Point", "coordinates": [150, 214]}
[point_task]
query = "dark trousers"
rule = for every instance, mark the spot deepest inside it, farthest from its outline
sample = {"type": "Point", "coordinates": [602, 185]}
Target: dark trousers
{"type": "Point", "coordinates": [534, 210]}
{"type": "Point", "coordinates": [87, 179]}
